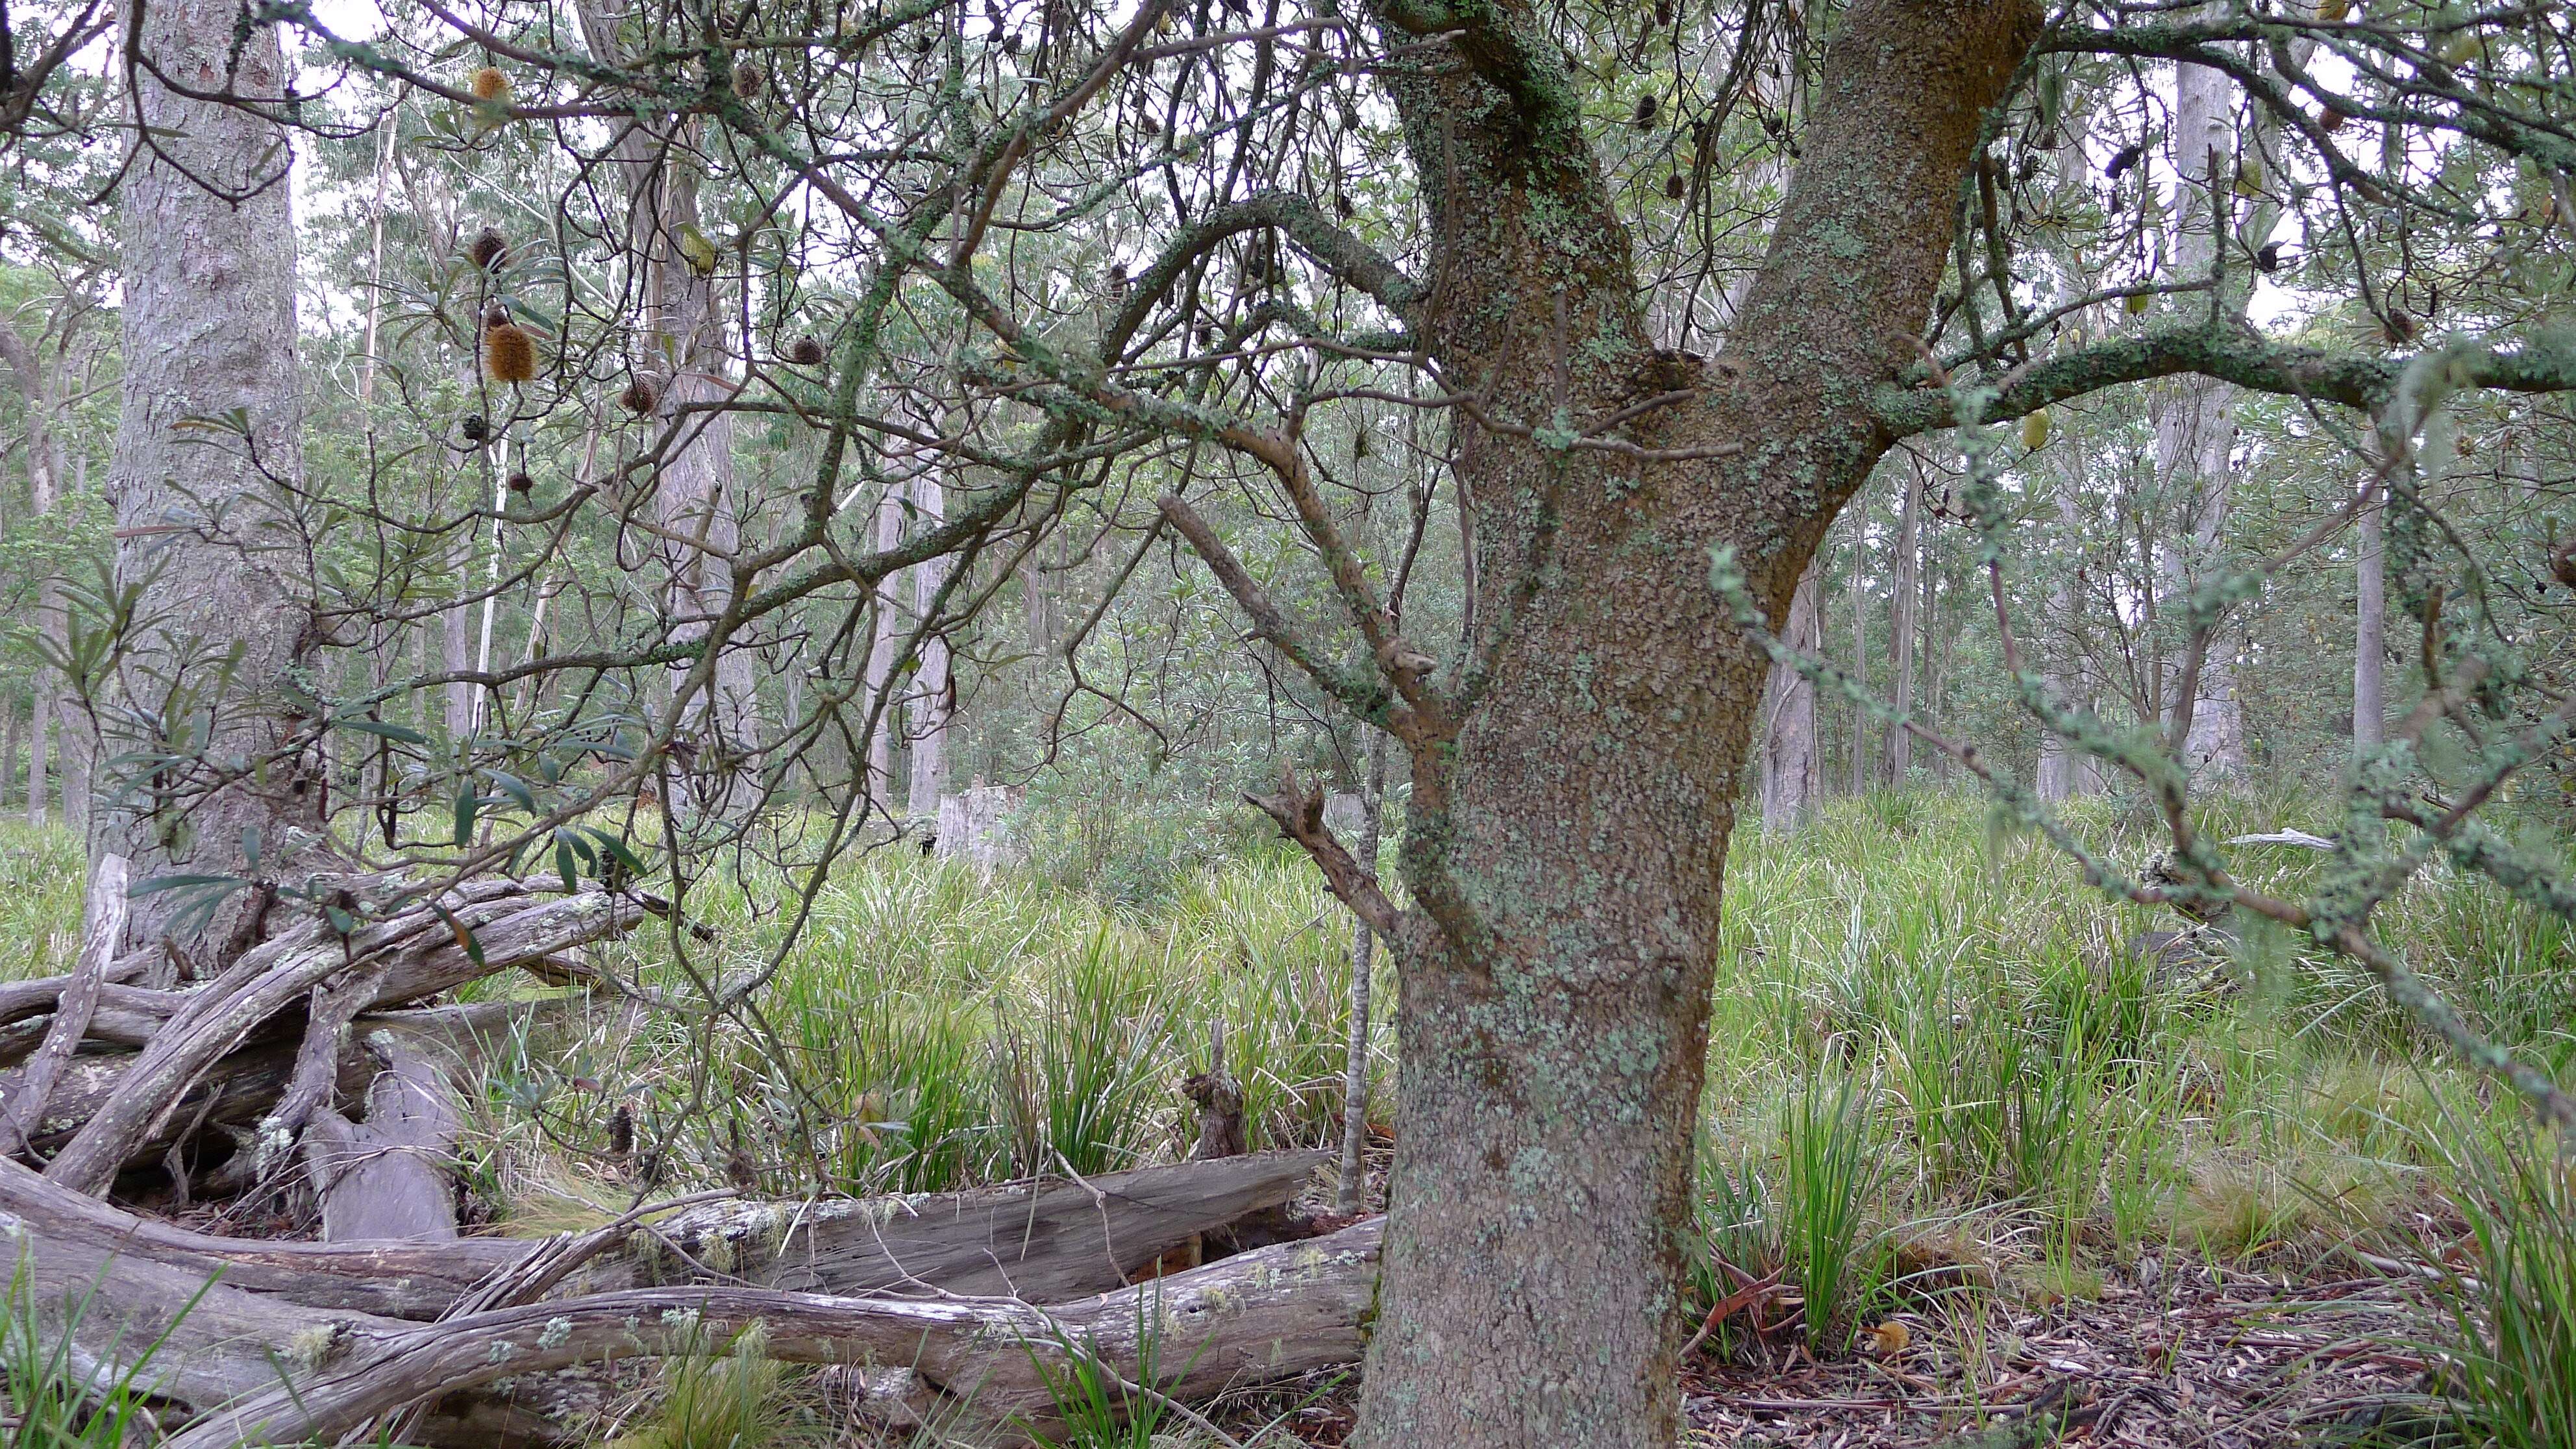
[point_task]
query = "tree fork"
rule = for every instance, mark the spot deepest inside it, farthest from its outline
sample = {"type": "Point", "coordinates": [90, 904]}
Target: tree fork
{"type": "Point", "coordinates": [1553, 1067]}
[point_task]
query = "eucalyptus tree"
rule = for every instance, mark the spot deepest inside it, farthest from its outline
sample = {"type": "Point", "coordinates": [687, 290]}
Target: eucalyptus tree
{"type": "Point", "coordinates": [1179, 243]}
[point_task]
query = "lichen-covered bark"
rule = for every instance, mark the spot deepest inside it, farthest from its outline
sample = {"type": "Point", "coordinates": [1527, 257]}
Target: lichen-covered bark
{"type": "Point", "coordinates": [1567, 840]}
{"type": "Point", "coordinates": [203, 513]}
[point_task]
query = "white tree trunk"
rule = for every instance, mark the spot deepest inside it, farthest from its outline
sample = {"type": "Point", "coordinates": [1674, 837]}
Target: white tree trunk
{"type": "Point", "coordinates": [1901, 620]}
{"type": "Point", "coordinates": [695, 500]}
{"type": "Point", "coordinates": [1791, 773]}
{"type": "Point", "coordinates": [884, 639]}
{"type": "Point", "coordinates": [209, 329]}
{"type": "Point", "coordinates": [2198, 428]}
{"type": "Point", "coordinates": [2370, 634]}
{"type": "Point", "coordinates": [932, 690]}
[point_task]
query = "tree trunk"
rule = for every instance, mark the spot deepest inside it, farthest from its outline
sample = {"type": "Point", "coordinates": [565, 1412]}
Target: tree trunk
{"type": "Point", "coordinates": [209, 331]}
{"type": "Point", "coordinates": [695, 501]}
{"type": "Point", "coordinates": [2197, 431]}
{"type": "Point", "coordinates": [40, 713]}
{"type": "Point", "coordinates": [1566, 839]}
{"type": "Point", "coordinates": [885, 637]}
{"type": "Point", "coordinates": [932, 690]}
{"type": "Point", "coordinates": [1355, 1051]}
{"type": "Point", "coordinates": [1860, 656]}
{"type": "Point", "coordinates": [2370, 633]}
{"type": "Point", "coordinates": [1791, 776]}
{"type": "Point", "coordinates": [1903, 623]}
{"type": "Point", "coordinates": [2062, 771]}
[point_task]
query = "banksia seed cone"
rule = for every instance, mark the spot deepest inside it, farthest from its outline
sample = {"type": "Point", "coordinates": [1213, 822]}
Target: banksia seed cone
{"type": "Point", "coordinates": [488, 250]}
{"type": "Point", "coordinates": [489, 84]}
{"type": "Point", "coordinates": [509, 353]}
{"type": "Point", "coordinates": [805, 351]}
{"type": "Point", "coordinates": [640, 397]}
{"type": "Point", "coordinates": [522, 483]}
{"type": "Point", "coordinates": [475, 429]}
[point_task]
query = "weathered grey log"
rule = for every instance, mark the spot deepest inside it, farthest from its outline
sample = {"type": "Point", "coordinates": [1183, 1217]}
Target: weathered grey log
{"type": "Point", "coordinates": [38, 995]}
{"type": "Point", "coordinates": [389, 1178]}
{"type": "Point", "coordinates": [1037, 1241]}
{"type": "Point", "coordinates": [1272, 1314]}
{"type": "Point", "coordinates": [27, 1090]}
{"type": "Point", "coordinates": [302, 1308]}
{"type": "Point", "coordinates": [392, 1279]}
{"type": "Point", "coordinates": [419, 956]}
{"type": "Point", "coordinates": [1053, 1242]}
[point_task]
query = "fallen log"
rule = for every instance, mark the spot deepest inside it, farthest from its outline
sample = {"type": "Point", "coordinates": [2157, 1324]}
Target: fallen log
{"type": "Point", "coordinates": [1271, 1314]}
{"type": "Point", "coordinates": [387, 1178]}
{"type": "Point", "coordinates": [29, 1087]}
{"type": "Point", "coordinates": [1037, 1241]}
{"type": "Point", "coordinates": [1044, 1240]}
{"type": "Point", "coordinates": [419, 953]}
{"type": "Point", "coordinates": [230, 1316]}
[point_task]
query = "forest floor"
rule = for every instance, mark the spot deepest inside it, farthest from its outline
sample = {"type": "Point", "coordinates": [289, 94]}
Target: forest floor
{"type": "Point", "coordinates": [2197, 1359]}
{"type": "Point", "coordinates": [2093, 1191]}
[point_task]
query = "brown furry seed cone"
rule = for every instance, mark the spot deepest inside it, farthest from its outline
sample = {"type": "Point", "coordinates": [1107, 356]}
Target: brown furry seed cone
{"type": "Point", "coordinates": [509, 353]}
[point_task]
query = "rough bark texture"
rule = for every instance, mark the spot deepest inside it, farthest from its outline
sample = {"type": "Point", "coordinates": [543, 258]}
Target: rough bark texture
{"type": "Point", "coordinates": [209, 332]}
{"type": "Point", "coordinates": [1566, 842]}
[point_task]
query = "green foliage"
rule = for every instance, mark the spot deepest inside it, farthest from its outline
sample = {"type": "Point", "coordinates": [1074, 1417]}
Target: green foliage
{"type": "Point", "coordinates": [722, 1400]}
{"type": "Point", "coordinates": [1832, 1168]}
{"type": "Point", "coordinates": [58, 1397]}
{"type": "Point", "coordinates": [1096, 1405]}
{"type": "Point", "coordinates": [2510, 1355]}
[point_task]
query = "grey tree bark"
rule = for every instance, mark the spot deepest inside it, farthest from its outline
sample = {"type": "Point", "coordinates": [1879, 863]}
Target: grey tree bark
{"type": "Point", "coordinates": [695, 502]}
{"type": "Point", "coordinates": [1355, 1051]}
{"type": "Point", "coordinates": [1860, 654]}
{"type": "Point", "coordinates": [1555, 968]}
{"type": "Point", "coordinates": [40, 383]}
{"type": "Point", "coordinates": [930, 705]}
{"type": "Point", "coordinates": [2196, 432]}
{"type": "Point", "coordinates": [1791, 770]}
{"type": "Point", "coordinates": [1903, 620]}
{"type": "Point", "coordinates": [2370, 632]}
{"type": "Point", "coordinates": [225, 618]}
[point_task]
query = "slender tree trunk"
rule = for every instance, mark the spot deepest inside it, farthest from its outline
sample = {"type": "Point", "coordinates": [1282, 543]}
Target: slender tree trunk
{"type": "Point", "coordinates": [209, 330]}
{"type": "Point", "coordinates": [1860, 658]}
{"type": "Point", "coordinates": [695, 499]}
{"type": "Point", "coordinates": [2197, 432]}
{"type": "Point", "coordinates": [1351, 1191]}
{"type": "Point", "coordinates": [11, 725]}
{"type": "Point", "coordinates": [932, 689]}
{"type": "Point", "coordinates": [1902, 624]}
{"type": "Point", "coordinates": [39, 737]}
{"type": "Point", "coordinates": [885, 637]}
{"type": "Point", "coordinates": [2061, 771]}
{"type": "Point", "coordinates": [456, 649]}
{"type": "Point", "coordinates": [2369, 633]}
{"type": "Point", "coordinates": [1566, 858]}
{"type": "Point", "coordinates": [1791, 778]}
